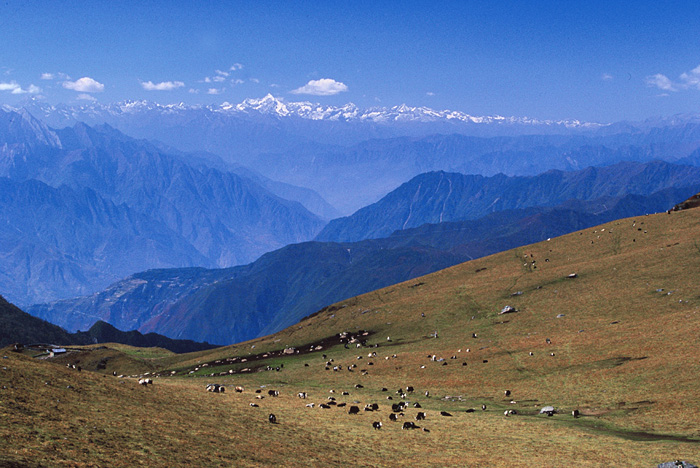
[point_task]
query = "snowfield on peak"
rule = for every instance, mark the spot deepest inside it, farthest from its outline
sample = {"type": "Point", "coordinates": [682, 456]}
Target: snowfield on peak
{"type": "Point", "coordinates": [270, 105]}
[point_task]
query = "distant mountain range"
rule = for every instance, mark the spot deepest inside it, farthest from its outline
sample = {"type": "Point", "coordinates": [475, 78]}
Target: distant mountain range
{"type": "Point", "coordinates": [272, 107]}
{"type": "Point", "coordinates": [17, 326]}
{"type": "Point", "coordinates": [231, 305]}
{"type": "Point", "coordinates": [83, 207]}
{"type": "Point", "coordinates": [437, 197]}
{"type": "Point", "coordinates": [352, 157]}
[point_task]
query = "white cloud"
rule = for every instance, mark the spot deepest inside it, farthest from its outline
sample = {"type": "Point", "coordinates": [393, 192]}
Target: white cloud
{"type": "Point", "coordinates": [255, 80]}
{"type": "Point", "coordinates": [53, 76]}
{"type": "Point", "coordinates": [14, 88]}
{"type": "Point", "coordinates": [162, 86]}
{"type": "Point", "coordinates": [86, 97]}
{"type": "Point", "coordinates": [236, 66]}
{"type": "Point", "coordinates": [215, 90]}
{"type": "Point", "coordinates": [237, 82]}
{"type": "Point", "coordinates": [213, 79]}
{"type": "Point", "coordinates": [8, 86]}
{"type": "Point", "coordinates": [222, 73]}
{"type": "Point", "coordinates": [322, 87]}
{"type": "Point", "coordinates": [430, 93]}
{"type": "Point", "coordinates": [84, 85]}
{"type": "Point", "coordinates": [687, 80]}
{"type": "Point", "coordinates": [193, 91]}
{"type": "Point", "coordinates": [661, 82]}
{"type": "Point", "coordinates": [692, 78]}
{"type": "Point", "coordinates": [606, 77]}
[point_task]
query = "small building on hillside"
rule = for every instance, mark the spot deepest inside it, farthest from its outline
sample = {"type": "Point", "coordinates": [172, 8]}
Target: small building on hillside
{"type": "Point", "coordinates": [54, 351]}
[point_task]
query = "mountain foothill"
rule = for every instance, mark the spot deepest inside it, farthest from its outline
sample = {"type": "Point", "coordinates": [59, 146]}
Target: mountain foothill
{"type": "Point", "coordinates": [233, 239]}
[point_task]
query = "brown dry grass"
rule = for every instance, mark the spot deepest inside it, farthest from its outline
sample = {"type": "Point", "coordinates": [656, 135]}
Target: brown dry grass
{"type": "Point", "coordinates": [624, 354]}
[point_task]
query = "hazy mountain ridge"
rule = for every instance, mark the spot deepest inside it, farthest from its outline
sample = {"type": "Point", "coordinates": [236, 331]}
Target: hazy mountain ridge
{"type": "Point", "coordinates": [153, 207]}
{"type": "Point", "coordinates": [243, 301]}
{"type": "Point", "coordinates": [146, 294]}
{"type": "Point", "coordinates": [355, 176]}
{"type": "Point", "coordinates": [62, 242]}
{"type": "Point", "coordinates": [352, 157]}
{"type": "Point", "coordinates": [439, 196]}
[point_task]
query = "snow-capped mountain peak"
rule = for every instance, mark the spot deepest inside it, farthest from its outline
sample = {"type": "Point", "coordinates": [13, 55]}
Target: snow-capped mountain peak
{"type": "Point", "coordinates": [266, 105]}
{"type": "Point", "coordinates": [279, 108]}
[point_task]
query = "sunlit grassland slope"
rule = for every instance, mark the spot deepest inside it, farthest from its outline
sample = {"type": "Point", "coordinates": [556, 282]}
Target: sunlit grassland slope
{"type": "Point", "coordinates": [606, 323]}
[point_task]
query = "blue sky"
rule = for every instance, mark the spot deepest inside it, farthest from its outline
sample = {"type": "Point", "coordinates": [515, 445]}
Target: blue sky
{"type": "Point", "coordinates": [596, 61]}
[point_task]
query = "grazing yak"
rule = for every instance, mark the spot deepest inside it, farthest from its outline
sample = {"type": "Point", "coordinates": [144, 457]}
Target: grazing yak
{"type": "Point", "coordinates": [273, 393]}
{"type": "Point", "coordinates": [302, 395]}
{"type": "Point", "coordinates": [377, 425]}
{"type": "Point", "coordinates": [216, 388]}
{"type": "Point", "coordinates": [420, 416]}
{"type": "Point", "coordinates": [409, 425]}
{"type": "Point", "coordinates": [372, 407]}
{"type": "Point", "coordinates": [393, 417]}
{"type": "Point", "coordinates": [354, 410]}
{"type": "Point", "coordinates": [238, 389]}
{"type": "Point", "coordinates": [272, 418]}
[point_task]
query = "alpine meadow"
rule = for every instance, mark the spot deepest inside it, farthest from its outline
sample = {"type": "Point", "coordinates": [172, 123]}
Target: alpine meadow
{"type": "Point", "coordinates": [329, 234]}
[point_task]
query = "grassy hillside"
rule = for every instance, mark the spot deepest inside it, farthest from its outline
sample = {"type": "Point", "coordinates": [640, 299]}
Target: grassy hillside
{"type": "Point", "coordinates": [617, 342]}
